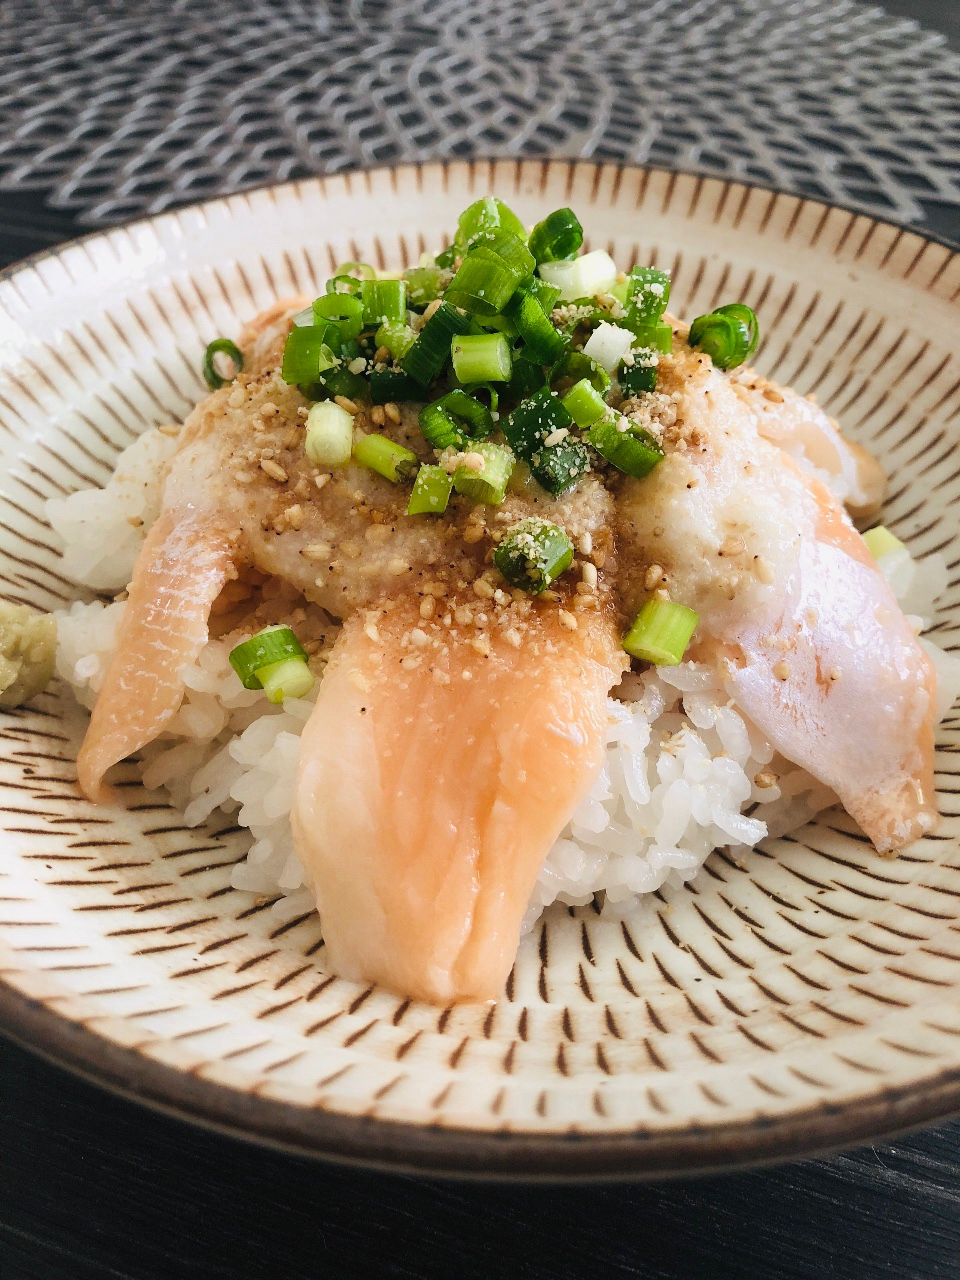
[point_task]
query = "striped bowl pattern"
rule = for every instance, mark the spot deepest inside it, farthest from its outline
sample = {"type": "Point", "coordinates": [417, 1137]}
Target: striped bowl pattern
{"type": "Point", "coordinates": [807, 995]}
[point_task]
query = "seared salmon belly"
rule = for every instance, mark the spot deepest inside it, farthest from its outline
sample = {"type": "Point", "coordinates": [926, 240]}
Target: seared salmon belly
{"type": "Point", "coordinates": [505, 476]}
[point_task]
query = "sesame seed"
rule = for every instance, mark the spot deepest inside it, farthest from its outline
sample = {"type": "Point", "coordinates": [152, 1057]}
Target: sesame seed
{"type": "Point", "coordinates": [432, 309]}
{"type": "Point", "coordinates": [585, 545]}
{"type": "Point", "coordinates": [346, 403]}
{"type": "Point", "coordinates": [169, 429]}
{"type": "Point", "coordinates": [483, 589]}
{"type": "Point", "coordinates": [268, 409]}
{"type": "Point", "coordinates": [376, 415]}
{"type": "Point", "coordinates": [428, 607]}
{"type": "Point", "coordinates": [781, 670]}
{"type": "Point", "coordinates": [317, 551]}
{"type": "Point", "coordinates": [273, 470]}
{"type": "Point", "coordinates": [392, 412]}
{"type": "Point", "coordinates": [473, 532]}
{"type": "Point", "coordinates": [382, 355]}
{"type": "Point", "coordinates": [589, 573]}
{"type": "Point", "coordinates": [766, 778]}
{"type": "Point", "coordinates": [567, 620]}
{"type": "Point", "coordinates": [771, 394]}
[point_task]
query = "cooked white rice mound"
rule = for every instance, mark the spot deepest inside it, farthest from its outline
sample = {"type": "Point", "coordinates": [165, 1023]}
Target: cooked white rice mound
{"type": "Point", "coordinates": [684, 773]}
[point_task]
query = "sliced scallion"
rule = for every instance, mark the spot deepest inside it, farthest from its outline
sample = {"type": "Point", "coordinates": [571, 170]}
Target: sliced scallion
{"type": "Point", "coordinates": [880, 541]}
{"type": "Point", "coordinates": [585, 404]}
{"type": "Point", "coordinates": [391, 386]}
{"type": "Point", "coordinates": [220, 347]}
{"type": "Point", "coordinates": [532, 554]}
{"type": "Point", "coordinates": [655, 336]}
{"type": "Point", "coordinates": [526, 379]}
{"type": "Point", "coordinates": [633, 451]}
{"type": "Point", "coordinates": [481, 358]}
{"type": "Point", "coordinates": [342, 382]}
{"type": "Point", "coordinates": [343, 310]}
{"type": "Point", "coordinates": [574, 365]}
{"type": "Point", "coordinates": [533, 421]}
{"type": "Point", "coordinates": [329, 438]}
{"type": "Point", "coordinates": [542, 342]}
{"type": "Point", "coordinates": [288, 679]}
{"type": "Point", "coordinates": [484, 220]}
{"type": "Point", "coordinates": [584, 277]}
{"type": "Point", "coordinates": [384, 302]}
{"type": "Point", "coordinates": [431, 492]}
{"type": "Point", "coordinates": [454, 420]}
{"type": "Point", "coordinates": [558, 237]}
{"type": "Point", "coordinates": [397, 337]}
{"type": "Point", "coordinates": [489, 484]}
{"type": "Point", "coordinates": [558, 467]}
{"type": "Point", "coordinates": [424, 284]}
{"type": "Point", "coordinates": [637, 377]}
{"type": "Point", "coordinates": [661, 632]}
{"type": "Point", "coordinates": [267, 648]}
{"type": "Point", "coordinates": [728, 335]}
{"type": "Point", "coordinates": [648, 292]}
{"type": "Point", "coordinates": [387, 458]}
{"type": "Point", "coordinates": [608, 344]}
{"type": "Point", "coordinates": [359, 270]}
{"type": "Point", "coordinates": [431, 350]}
{"type": "Point", "coordinates": [484, 282]}
{"type": "Point", "coordinates": [306, 355]}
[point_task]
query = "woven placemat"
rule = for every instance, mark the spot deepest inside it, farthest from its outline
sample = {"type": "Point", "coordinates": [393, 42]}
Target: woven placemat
{"type": "Point", "coordinates": [125, 107]}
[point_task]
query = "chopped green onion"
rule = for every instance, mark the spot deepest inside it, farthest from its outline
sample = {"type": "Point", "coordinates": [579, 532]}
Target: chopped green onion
{"type": "Point", "coordinates": [446, 257]}
{"type": "Point", "coordinates": [637, 377]}
{"type": "Point", "coordinates": [386, 457]}
{"type": "Point", "coordinates": [454, 420]}
{"type": "Point", "coordinates": [574, 365]}
{"type": "Point", "coordinates": [391, 386]}
{"type": "Point", "coordinates": [384, 301]}
{"type": "Point", "coordinates": [431, 492]}
{"type": "Point", "coordinates": [360, 270]}
{"type": "Point", "coordinates": [656, 336]}
{"type": "Point", "coordinates": [532, 554]}
{"type": "Point", "coordinates": [329, 439]}
{"type": "Point", "coordinates": [490, 484]}
{"type": "Point", "coordinates": [486, 281]}
{"type": "Point", "coordinates": [533, 421]}
{"type": "Point", "coordinates": [542, 342]}
{"type": "Point", "coordinates": [584, 403]}
{"type": "Point", "coordinates": [728, 335]}
{"type": "Point", "coordinates": [342, 309]}
{"type": "Point", "coordinates": [345, 284]}
{"type": "Point", "coordinates": [633, 450]}
{"type": "Point", "coordinates": [306, 355]}
{"type": "Point", "coordinates": [431, 350]}
{"type": "Point", "coordinates": [527, 377]}
{"type": "Point", "coordinates": [424, 284]}
{"type": "Point", "coordinates": [880, 542]}
{"type": "Point", "coordinates": [558, 467]}
{"type": "Point", "coordinates": [304, 319]}
{"type": "Point", "coordinates": [224, 347]}
{"type": "Point", "coordinates": [288, 679]}
{"type": "Point", "coordinates": [484, 358]}
{"type": "Point", "coordinates": [661, 632]}
{"type": "Point", "coordinates": [584, 277]}
{"type": "Point", "coordinates": [484, 220]}
{"type": "Point", "coordinates": [546, 294]}
{"type": "Point", "coordinates": [341, 382]}
{"type": "Point", "coordinates": [648, 292]}
{"type": "Point", "coordinates": [397, 337]}
{"type": "Point", "coordinates": [557, 237]}
{"type": "Point", "coordinates": [608, 344]}
{"type": "Point", "coordinates": [267, 648]}
{"type": "Point", "coordinates": [500, 324]}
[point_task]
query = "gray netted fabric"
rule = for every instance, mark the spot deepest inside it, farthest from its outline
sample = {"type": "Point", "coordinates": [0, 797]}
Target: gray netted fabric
{"type": "Point", "coordinates": [124, 107]}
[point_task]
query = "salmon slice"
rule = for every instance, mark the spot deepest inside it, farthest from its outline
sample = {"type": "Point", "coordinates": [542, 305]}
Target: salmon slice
{"type": "Point", "coordinates": [840, 684]}
{"type": "Point", "coordinates": [182, 567]}
{"type": "Point", "coordinates": [428, 798]}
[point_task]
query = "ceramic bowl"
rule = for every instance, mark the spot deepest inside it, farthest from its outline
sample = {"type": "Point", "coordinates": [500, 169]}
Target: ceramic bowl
{"type": "Point", "coordinates": [803, 996]}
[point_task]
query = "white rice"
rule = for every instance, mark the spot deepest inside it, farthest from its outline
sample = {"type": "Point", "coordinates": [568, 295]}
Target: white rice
{"type": "Point", "coordinates": [685, 772]}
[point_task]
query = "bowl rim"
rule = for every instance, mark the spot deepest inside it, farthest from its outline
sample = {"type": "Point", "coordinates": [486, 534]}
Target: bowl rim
{"type": "Point", "coordinates": [444, 1150]}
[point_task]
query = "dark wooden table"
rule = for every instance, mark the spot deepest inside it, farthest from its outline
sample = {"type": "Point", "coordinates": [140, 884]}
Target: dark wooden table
{"type": "Point", "coordinates": [94, 1186]}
